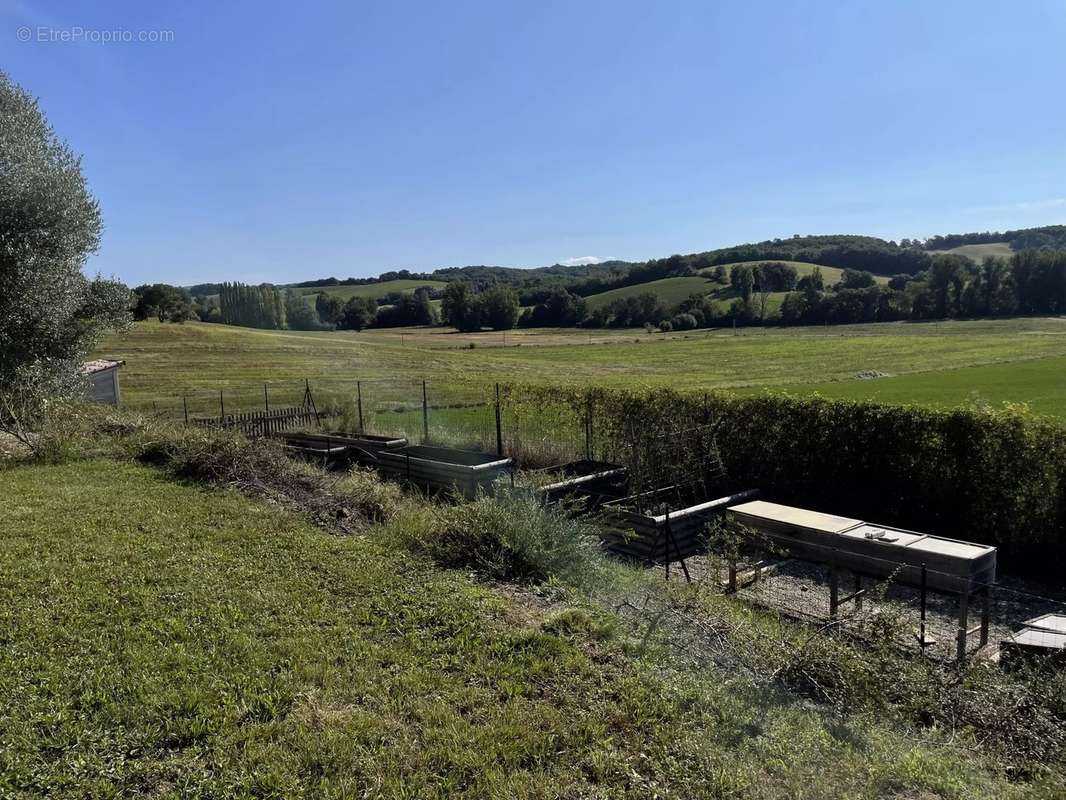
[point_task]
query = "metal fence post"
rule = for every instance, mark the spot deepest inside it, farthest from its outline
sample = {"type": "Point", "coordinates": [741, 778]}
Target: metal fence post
{"type": "Point", "coordinates": [185, 408]}
{"type": "Point", "coordinates": [359, 403]}
{"type": "Point", "coordinates": [921, 628]}
{"type": "Point", "coordinates": [221, 406]}
{"type": "Point", "coordinates": [425, 414]}
{"type": "Point", "coordinates": [499, 424]}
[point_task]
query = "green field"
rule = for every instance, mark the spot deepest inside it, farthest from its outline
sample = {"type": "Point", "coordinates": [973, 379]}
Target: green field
{"type": "Point", "coordinates": [947, 363]}
{"type": "Point", "coordinates": [372, 290]}
{"type": "Point", "coordinates": [979, 252]}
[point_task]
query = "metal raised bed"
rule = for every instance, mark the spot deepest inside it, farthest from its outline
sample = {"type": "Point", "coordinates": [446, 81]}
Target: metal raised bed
{"type": "Point", "coordinates": [366, 448]}
{"type": "Point", "coordinates": [672, 535]}
{"type": "Point", "coordinates": [590, 483]}
{"type": "Point", "coordinates": [1042, 639]}
{"type": "Point", "coordinates": [315, 447]}
{"type": "Point", "coordinates": [443, 469]}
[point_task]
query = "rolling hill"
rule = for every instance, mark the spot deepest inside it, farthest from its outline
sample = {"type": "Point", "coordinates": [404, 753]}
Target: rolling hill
{"type": "Point", "coordinates": [374, 290]}
{"type": "Point", "coordinates": [979, 252]}
{"type": "Point", "coordinates": [672, 291]}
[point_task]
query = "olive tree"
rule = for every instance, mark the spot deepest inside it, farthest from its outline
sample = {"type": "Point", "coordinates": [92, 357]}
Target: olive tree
{"type": "Point", "coordinates": [50, 314]}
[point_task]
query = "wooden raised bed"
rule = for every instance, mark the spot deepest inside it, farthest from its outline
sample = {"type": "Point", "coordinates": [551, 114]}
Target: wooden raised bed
{"type": "Point", "coordinates": [659, 538]}
{"type": "Point", "coordinates": [593, 483]}
{"type": "Point", "coordinates": [931, 563]}
{"type": "Point", "coordinates": [951, 565]}
{"type": "Point", "coordinates": [445, 469]}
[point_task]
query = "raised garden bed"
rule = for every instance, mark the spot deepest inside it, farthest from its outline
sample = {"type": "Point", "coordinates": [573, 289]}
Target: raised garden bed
{"type": "Point", "coordinates": [590, 483]}
{"type": "Point", "coordinates": [875, 550]}
{"type": "Point", "coordinates": [445, 469]}
{"type": "Point", "coordinates": [367, 447]}
{"type": "Point", "coordinates": [646, 528]}
{"type": "Point", "coordinates": [341, 447]}
{"type": "Point", "coordinates": [932, 563]}
{"type": "Point", "coordinates": [316, 447]}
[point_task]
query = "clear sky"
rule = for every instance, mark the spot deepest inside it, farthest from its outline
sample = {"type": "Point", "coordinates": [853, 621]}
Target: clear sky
{"type": "Point", "coordinates": [286, 141]}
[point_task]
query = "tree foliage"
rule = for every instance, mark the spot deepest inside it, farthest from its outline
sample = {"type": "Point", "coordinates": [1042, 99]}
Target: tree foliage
{"type": "Point", "coordinates": [50, 314]}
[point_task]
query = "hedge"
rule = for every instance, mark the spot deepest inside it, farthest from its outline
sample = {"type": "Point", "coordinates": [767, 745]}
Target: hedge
{"type": "Point", "coordinates": [995, 477]}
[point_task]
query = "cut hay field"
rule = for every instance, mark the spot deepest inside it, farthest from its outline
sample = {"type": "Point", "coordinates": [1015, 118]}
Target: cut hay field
{"type": "Point", "coordinates": [948, 363]}
{"type": "Point", "coordinates": [979, 252]}
{"type": "Point", "coordinates": [373, 290]}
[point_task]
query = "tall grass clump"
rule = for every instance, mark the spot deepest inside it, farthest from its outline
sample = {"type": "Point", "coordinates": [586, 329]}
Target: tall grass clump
{"type": "Point", "coordinates": [513, 537]}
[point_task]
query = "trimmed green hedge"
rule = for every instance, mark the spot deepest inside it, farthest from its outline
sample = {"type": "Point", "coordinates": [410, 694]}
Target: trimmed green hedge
{"type": "Point", "coordinates": [996, 477]}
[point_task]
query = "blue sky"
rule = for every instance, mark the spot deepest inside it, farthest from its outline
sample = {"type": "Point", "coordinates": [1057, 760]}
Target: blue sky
{"type": "Point", "coordinates": [282, 142]}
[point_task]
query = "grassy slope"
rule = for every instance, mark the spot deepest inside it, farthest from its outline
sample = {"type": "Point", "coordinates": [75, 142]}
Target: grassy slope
{"type": "Point", "coordinates": [161, 639]}
{"type": "Point", "coordinates": [979, 252]}
{"type": "Point", "coordinates": [165, 360]}
{"type": "Point", "coordinates": [374, 290]}
{"type": "Point", "coordinates": [673, 290]}
{"type": "Point", "coordinates": [670, 290]}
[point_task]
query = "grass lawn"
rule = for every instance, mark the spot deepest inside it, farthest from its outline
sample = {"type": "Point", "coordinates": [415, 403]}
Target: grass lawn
{"type": "Point", "coordinates": [164, 640]}
{"type": "Point", "coordinates": [164, 361]}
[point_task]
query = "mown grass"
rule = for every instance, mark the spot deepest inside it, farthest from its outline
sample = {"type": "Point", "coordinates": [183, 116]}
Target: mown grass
{"type": "Point", "coordinates": [166, 640]}
{"type": "Point", "coordinates": [1038, 383]}
{"type": "Point", "coordinates": [165, 361]}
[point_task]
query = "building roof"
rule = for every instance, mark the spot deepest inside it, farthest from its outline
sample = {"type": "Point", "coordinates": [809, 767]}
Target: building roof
{"type": "Point", "coordinates": [99, 365]}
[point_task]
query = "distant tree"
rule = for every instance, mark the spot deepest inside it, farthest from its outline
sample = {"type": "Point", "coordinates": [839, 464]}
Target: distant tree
{"type": "Point", "coordinates": [718, 275]}
{"type": "Point", "coordinates": [855, 279]}
{"type": "Point", "coordinates": [899, 282]}
{"type": "Point", "coordinates": [742, 277]}
{"type": "Point", "coordinates": [775, 276]}
{"type": "Point", "coordinates": [328, 308]}
{"type": "Point", "coordinates": [412, 309]}
{"type": "Point", "coordinates": [300, 314]}
{"type": "Point", "coordinates": [500, 308]}
{"type": "Point", "coordinates": [683, 322]}
{"type": "Point", "coordinates": [164, 302]}
{"type": "Point", "coordinates": [51, 315]}
{"type": "Point", "coordinates": [813, 282]}
{"type": "Point", "coordinates": [358, 313]}
{"type": "Point", "coordinates": [460, 307]}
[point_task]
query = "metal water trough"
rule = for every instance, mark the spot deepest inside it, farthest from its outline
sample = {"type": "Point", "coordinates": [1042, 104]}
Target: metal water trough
{"type": "Point", "coordinates": [591, 483]}
{"type": "Point", "coordinates": [661, 538]}
{"type": "Point", "coordinates": [445, 468]}
{"type": "Point", "coordinates": [931, 563]}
